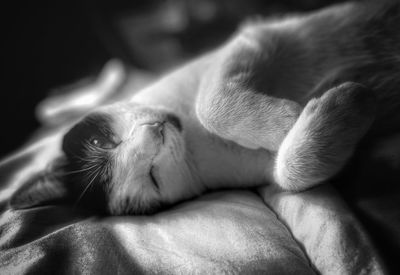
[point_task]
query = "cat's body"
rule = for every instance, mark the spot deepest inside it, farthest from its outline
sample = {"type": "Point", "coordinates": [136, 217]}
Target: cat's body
{"type": "Point", "coordinates": [263, 108]}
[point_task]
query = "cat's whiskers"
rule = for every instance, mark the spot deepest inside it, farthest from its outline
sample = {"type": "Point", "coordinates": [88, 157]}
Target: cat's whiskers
{"type": "Point", "coordinates": [95, 173]}
{"type": "Point", "coordinates": [74, 171]}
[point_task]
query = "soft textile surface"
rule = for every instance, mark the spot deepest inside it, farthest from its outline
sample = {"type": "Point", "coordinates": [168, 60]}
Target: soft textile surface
{"type": "Point", "coordinates": [224, 232]}
{"type": "Point", "coordinates": [233, 232]}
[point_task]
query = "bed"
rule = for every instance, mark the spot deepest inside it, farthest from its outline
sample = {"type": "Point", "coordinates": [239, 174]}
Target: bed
{"type": "Point", "coordinates": [330, 229]}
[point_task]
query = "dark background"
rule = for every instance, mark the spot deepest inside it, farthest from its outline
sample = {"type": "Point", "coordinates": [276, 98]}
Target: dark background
{"type": "Point", "coordinates": [47, 44]}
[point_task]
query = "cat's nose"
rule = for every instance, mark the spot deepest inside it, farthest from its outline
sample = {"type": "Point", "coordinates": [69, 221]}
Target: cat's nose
{"type": "Point", "coordinates": [156, 128]}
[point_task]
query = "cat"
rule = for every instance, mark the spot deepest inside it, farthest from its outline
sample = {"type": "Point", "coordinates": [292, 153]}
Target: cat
{"type": "Point", "coordinates": [285, 102]}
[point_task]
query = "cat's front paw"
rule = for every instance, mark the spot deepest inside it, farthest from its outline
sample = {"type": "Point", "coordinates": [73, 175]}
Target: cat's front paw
{"type": "Point", "coordinates": [325, 136]}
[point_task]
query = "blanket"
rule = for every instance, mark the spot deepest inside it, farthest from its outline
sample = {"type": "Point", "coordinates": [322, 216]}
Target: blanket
{"type": "Point", "coordinates": [264, 231]}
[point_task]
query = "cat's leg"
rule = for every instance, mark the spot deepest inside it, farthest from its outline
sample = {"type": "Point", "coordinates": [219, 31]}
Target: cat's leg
{"type": "Point", "coordinates": [245, 92]}
{"type": "Point", "coordinates": [249, 119]}
{"type": "Point", "coordinates": [324, 137]}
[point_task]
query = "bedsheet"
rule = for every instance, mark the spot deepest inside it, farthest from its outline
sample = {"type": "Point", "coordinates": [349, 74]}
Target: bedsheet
{"type": "Point", "coordinates": [262, 231]}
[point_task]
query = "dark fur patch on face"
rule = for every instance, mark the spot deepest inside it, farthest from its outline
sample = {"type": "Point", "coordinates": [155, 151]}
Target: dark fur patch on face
{"type": "Point", "coordinates": [94, 125]}
{"type": "Point", "coordinates": [89, 168]}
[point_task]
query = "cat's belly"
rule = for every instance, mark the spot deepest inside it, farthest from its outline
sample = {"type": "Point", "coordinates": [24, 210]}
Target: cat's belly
{"type": "Point", "coordinates": [225, 164]}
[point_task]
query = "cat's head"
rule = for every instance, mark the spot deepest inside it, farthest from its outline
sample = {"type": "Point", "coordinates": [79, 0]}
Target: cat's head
{"type": "Point", "coordinates": [127, 158]}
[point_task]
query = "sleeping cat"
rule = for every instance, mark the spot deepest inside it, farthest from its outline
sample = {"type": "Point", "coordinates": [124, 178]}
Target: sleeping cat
{"type": "Point", "coordinates": [284, 101]}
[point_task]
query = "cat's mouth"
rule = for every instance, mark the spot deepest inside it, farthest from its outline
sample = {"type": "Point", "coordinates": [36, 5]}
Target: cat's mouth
{"type": "Point", "coordinates": [165, 129]}
{"type": "Point", "coordinates": [154, 178]}
{"type": "Point", "coordinates": [161, 127]}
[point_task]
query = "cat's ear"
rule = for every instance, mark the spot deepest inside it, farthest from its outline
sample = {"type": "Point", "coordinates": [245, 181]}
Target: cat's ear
{"type": "Point", "coordinates": [41, 188]}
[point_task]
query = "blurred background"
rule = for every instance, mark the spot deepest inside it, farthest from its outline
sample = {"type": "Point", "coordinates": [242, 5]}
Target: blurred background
{"type": "Point", "coordinates": [49, 44]}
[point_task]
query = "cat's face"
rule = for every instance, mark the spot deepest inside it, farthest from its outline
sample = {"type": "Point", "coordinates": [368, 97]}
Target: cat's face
{"type": "Point", "coordinates": [129, 157]}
